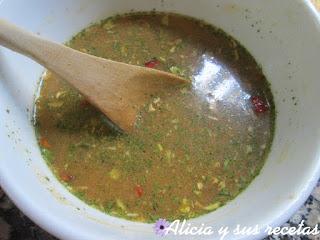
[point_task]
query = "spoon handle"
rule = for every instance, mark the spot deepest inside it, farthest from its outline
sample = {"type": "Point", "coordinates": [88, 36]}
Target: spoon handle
{"type": "Point", "coordinates": [27, 43]}
{"type": "Point", "coordinates": [59, 59]}
{"type": "Point", "coordinates": [54, 56]}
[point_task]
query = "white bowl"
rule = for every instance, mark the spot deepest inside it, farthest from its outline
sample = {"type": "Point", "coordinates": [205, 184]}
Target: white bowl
{"type": "Point", "coordinates": [283, 36]}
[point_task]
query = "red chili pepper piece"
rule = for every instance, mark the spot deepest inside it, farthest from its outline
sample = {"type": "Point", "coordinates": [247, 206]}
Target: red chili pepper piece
{"type": "Point", "coordinates": [259, 105]}
{"type": "Point", "coordinates": [44, 143]}
{"type": "Point", "coordinates": [84, 103]}
{"type": "Point", "coordinates": [152, 63]}
{"type": "Point", "coordinates": [66, 177]}
{"type": "Point", "coordinates": [139, 190]}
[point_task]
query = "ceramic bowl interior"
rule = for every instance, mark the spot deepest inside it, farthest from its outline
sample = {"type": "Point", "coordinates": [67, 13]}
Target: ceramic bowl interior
{"type": "Point", "coordinates": [283, 36]}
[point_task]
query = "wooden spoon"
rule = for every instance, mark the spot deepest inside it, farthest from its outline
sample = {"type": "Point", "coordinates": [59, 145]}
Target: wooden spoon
{"type": "Point", "coordinates": [119, 90]}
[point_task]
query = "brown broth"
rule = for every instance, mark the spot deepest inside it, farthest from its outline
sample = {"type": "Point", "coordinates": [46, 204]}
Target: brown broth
{"type": "Point", "coordinates": [192, 150]}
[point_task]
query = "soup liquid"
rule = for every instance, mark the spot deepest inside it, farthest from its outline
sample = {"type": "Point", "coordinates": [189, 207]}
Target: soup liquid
{"type": "Point", "coordinates": [193, 149]}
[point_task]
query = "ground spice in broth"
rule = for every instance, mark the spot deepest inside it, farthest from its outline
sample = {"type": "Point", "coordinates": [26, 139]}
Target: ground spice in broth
{"type": "Point", "coordinates": [192, 150]}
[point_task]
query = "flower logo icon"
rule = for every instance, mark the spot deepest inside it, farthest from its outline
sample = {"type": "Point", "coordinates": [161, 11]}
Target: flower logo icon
{"type": "Point", "coordinates": [160, 227]}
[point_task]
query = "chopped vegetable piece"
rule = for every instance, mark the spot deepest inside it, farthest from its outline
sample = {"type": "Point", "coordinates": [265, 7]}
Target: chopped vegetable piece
{"type": "Point", "coordinates": [152, 63]}
{"type": "Point", "coordinates": [160, 147]}
{"type": "Point", "coordinates": [108, 25]}
{"type": "Point", "coordinates": [55, 104]}
{"type": "Point", "coordinates": [200, 185]}
{"type": "Point", "coordinates": [185, 206]}
{"type": "Point", "coordinates": [259, 105]}
{"type": "Point", "coordinates": [139, 190]}
{"type": "Point", "coordinates": [120, 204]}
{"type": "Point", "coordinates": [84, 103]}
{"type": "Point", "coordinates": [48, 155]}
{"type": "Point", "coordinates": [151, 108]}
{"type": "Point", "coordinates": [44, 143]}
{"type": "Point", "coordinates": [176, 70]}
{"type": "Point", "coordinates": [132, 214]}
{"type": "Point", "coordinates": [114, 174]}
{"type": "Point", "coordinates": [66, 177]}
{"type": "Point", "coordinates": [212, 206]}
